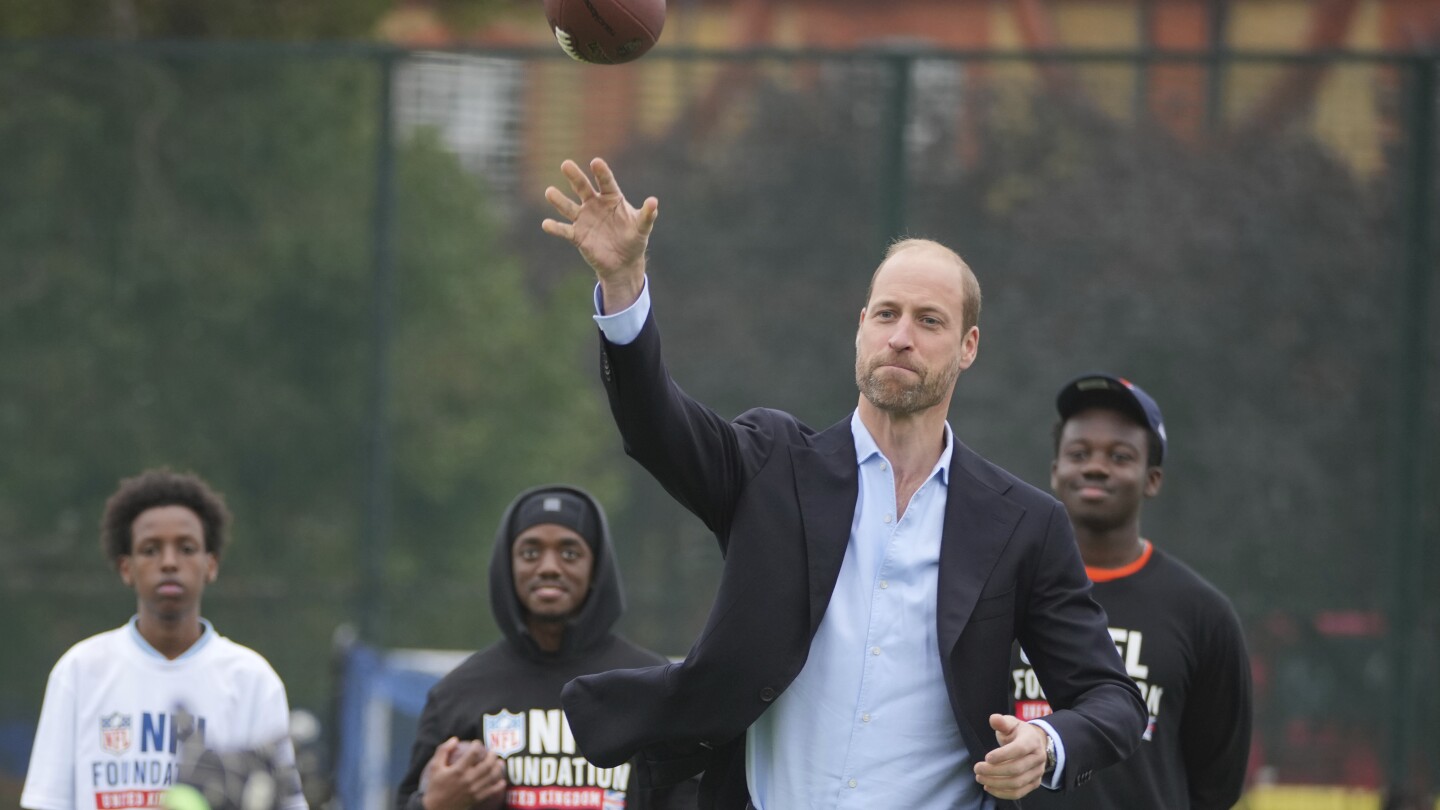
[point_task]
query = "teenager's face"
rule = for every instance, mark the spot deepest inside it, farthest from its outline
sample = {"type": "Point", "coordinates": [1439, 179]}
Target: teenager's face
{"type": "Point", "coordinates": [552, 566]}
{"type": "Point", "coordinates": [168, 565]}
{"type": "Point", "coordinates": [1100, 472]}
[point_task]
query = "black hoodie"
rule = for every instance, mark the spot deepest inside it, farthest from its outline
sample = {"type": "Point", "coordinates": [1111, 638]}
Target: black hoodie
{"type": "Point", "coordinates": [508, 694]}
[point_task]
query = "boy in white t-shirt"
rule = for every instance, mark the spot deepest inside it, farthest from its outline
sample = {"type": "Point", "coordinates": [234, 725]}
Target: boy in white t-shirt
{"type": "Point", "coordinates": [119, 705]}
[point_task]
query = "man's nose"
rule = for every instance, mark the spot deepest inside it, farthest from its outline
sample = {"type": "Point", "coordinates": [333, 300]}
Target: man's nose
{"type": "Point", "coordinates": [901, 336]}
{"type": "Point", "coordinates": [549, 563]}
{"type": "Point", "coordinates": [169, 557]}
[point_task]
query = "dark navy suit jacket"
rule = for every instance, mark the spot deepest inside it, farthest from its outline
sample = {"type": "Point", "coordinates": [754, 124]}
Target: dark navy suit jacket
{"type": "Point", "coordinates": [780, 499]}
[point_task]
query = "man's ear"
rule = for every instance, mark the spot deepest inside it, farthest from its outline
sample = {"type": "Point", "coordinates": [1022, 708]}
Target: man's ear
{"type": "Point", "coordinates": [123, 566]}
{"type": "Point", "coordinates": [1154, 477]}
{"type": "Point", "coordinates": [969, 347]}
{"type": "Point", "coordinates": [212, 570]}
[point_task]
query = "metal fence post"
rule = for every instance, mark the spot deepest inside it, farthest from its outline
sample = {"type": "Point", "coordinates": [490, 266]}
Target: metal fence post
{"type": "Point", "coordinates": [1408, 427]}
{"type": "Point", "coordinates": [894, 162]}
{"type": "Point", "coordinates": [378, 474]}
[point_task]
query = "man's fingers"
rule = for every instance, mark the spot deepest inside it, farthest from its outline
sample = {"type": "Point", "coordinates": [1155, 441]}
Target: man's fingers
{"type": "Point", "coordinates": [649, 210]}
{"type": "Point", "coordinates": [1004, 755]}
{"type": "Point", "coordinates": [1004, 726]}
{"type": "Point", "coordinates": [485, 778]}
{"type": "Point", "coordinates": [604, 177]}
{"type": "Point", "coordinates": [562, 204]}
{"type": "Point", "coordinates": [564, 230]}
{"type": "Point", "coordinates": [1006, 777]}
{"type": "Point", "coordinates": [578, 181]}
{"type": "Point", "coordinates": [442, 751]}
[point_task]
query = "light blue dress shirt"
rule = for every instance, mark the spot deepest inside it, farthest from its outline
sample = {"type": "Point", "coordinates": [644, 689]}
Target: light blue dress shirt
{"type": "Point", "coordinates": [868, 721]}
{"type": "Point", "coordinates": [870, 707]}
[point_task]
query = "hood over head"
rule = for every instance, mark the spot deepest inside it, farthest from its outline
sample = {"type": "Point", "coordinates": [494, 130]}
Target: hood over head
{"type": "Point", "coordinates": [577, 510]}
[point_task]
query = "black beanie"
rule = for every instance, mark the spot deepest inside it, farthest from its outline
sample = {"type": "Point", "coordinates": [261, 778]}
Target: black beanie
{"type": "Point", "coordinates": [561, 508]}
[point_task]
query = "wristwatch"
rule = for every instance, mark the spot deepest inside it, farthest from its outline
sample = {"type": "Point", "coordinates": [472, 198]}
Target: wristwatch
{"type": "Point", "coordinates": [1049, 755]}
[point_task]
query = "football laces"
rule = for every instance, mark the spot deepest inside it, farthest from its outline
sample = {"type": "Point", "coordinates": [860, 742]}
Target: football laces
{"type": "Point", "coordinates": [567, 44]}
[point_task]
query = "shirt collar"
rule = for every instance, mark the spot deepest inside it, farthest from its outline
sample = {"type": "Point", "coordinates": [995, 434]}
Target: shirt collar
{"type": "Point", "coordinates": [865, 447]}
{"type": "Point", "coordinates": [206, 633]}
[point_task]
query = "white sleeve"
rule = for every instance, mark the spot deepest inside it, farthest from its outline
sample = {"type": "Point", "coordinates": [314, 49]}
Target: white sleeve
{"type": "Point", "coordinates": [50, 780]}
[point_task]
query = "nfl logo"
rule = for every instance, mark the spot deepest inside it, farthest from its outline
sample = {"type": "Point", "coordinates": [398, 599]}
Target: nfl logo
{"type": "Point", "coordinates": [115, 733]}
{"type": "Point", "coordinates": [505, 733]}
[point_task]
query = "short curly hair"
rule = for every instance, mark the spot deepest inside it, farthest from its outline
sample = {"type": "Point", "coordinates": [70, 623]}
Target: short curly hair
{"type": "Point", "coordinates": [161, 487]}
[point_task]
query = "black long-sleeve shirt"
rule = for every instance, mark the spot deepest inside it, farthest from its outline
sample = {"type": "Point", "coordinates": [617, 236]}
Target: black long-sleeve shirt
{"type": "Point", "coordinates": [1182, 644]}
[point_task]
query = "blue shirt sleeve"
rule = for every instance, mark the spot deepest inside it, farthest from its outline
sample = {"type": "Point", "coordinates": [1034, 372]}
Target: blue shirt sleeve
{"type": "Point", "coordinates": [623, 327]}
{"type": "Point", "coordinates": [1057, 776]}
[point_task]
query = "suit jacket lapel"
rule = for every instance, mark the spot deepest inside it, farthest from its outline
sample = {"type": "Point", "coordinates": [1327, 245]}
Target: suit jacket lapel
{"type": "Point", "coordinates": [978, 524]}
{"type": "Point", "coordinates": [828, 484]}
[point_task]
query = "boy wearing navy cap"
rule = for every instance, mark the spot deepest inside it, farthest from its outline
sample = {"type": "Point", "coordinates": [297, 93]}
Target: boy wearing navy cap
{"type": "Point", "coordinates": [1178, 635]}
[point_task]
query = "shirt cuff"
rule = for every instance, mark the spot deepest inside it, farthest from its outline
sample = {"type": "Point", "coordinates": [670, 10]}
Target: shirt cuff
{"type": "Point", "coordinates": [624, 326]}
{"type": "Point", "coordinates": [1057, 777]}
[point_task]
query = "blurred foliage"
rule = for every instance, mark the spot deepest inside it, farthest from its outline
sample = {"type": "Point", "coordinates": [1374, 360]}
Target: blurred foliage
{"type": "Point", "coordinates": [284, 20]}
{"type": "Point", "coordinates": [185, 19]}
{"type": "Point", "coordinates": [189, 282]}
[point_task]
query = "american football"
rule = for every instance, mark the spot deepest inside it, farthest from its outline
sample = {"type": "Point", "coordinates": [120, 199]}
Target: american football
{"type": "Point", "coordinates": [606, 32]}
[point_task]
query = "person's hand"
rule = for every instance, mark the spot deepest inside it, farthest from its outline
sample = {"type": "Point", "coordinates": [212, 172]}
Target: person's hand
{"type": "Point", "coordinates": [475, 778]}
{"type": "Point", "coordinates": [610, 233]}
{"type": "Point", "coordinates": [1017, 766]}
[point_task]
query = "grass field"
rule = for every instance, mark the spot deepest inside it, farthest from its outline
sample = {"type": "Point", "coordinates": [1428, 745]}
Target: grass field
{"type": "Point", "coordinates": [1300, 797]}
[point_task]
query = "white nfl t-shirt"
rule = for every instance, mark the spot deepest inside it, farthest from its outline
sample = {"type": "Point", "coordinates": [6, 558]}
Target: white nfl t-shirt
{"type": "Point", "coordinates": [107, 736]}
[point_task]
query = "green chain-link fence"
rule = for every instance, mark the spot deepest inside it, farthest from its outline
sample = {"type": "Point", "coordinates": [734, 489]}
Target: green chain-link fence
{"type": "Point", "coordinates": [315, 276]}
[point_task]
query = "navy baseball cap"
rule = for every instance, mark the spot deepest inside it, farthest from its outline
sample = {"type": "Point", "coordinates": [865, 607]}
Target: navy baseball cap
{"type": "Point", "coordinates": [1117, 393]}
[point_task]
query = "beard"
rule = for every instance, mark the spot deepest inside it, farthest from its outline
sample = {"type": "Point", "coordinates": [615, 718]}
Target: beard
{"type": "Point", "coordinates": [892, 396]}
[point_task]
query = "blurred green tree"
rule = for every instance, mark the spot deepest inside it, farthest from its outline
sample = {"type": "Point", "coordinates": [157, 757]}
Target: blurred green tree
{"type": "Point", "coordinates": [187, 280]}
{"type": "Point", "coordinates": [179, 19]}
{"type": "Point", "coordinates": [283, 20]}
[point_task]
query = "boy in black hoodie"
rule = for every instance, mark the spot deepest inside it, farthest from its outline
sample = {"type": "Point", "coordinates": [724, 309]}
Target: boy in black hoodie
{"type": "Point", "coordinates": [492, 734]}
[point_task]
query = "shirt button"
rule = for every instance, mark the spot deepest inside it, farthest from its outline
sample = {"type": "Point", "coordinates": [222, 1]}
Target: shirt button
{"type": "Point", "coordinates": [865, 718]}
{"type": "Point", "coordinates": [852, 783]}
{"type": "Point", "coordinates": [874, 650]}
{"type": "Point", "coordinates": [889, 517]}
{"type": "Point", "coordinates": [884, 467]}
{"type": "Point", "coordinates": [884, 584]}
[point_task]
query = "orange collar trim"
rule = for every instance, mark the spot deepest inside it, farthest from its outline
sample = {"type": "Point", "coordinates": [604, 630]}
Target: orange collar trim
{"type": "Point", "coordinates": [1107, 574]}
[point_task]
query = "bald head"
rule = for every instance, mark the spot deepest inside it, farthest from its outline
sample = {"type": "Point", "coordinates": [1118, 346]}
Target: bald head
{"type": "Point", "coordinates": [969, 284]}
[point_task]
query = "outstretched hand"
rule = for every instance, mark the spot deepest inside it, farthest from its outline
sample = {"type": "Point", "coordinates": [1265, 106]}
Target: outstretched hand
{"type": "Point", "coordinates": [610, 233]}
{"type": "Point", "coordinates": [1017, 766]}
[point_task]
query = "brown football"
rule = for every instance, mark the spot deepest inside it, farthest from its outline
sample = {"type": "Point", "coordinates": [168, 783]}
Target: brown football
{"type": "Point", "coordinates": [606, 32]}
